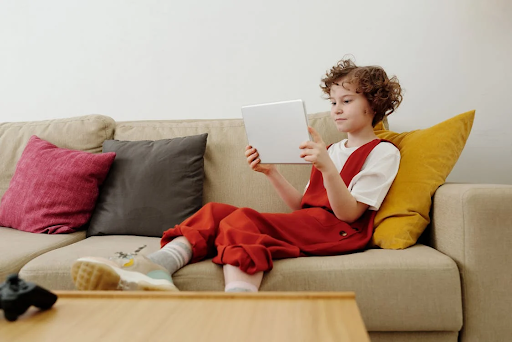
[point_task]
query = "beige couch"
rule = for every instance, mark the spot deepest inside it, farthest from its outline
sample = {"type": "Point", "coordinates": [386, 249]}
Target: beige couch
{"type": "Point", "coordinates": [453, 285]}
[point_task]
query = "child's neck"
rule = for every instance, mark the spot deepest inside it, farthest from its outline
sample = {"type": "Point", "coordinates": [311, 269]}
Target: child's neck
{"type": "Point", "coordinates": [359, 139]}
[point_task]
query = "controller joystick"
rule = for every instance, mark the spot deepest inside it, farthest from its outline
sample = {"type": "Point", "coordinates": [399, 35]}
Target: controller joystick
{"type": "Point", "coordinates": [17, 295]}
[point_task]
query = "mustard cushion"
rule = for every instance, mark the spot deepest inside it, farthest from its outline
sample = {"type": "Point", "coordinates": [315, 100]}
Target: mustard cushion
{"type": "Point", "coordinates": [427, 158]}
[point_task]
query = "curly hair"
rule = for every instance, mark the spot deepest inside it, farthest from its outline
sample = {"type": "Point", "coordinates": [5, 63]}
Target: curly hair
{"type": "Point", "coordinates": [384, 94]}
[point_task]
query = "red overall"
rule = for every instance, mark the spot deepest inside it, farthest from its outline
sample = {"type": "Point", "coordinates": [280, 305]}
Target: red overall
{"type": "Point", "coordinates": [250, 240]}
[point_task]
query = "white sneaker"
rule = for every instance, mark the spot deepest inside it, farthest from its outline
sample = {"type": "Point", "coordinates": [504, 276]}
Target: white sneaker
{"type": "Point", "coordinates": [128, 272]}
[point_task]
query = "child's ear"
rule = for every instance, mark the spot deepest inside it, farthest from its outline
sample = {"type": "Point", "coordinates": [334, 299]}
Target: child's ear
{"type": "Point", "coordinates": [370, 111]}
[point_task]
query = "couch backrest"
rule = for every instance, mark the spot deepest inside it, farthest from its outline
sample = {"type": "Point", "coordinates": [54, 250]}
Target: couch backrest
{"type": "Point", "coordinates": [228, 178]}
{"type": "Point", "coordinates": [85, 133]}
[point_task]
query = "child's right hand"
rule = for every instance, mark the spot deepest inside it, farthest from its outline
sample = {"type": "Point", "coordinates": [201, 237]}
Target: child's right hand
{"type": "Point", "coordinates": [254, 162]}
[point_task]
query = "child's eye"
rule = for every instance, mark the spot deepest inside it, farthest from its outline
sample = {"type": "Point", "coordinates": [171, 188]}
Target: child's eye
{"type": "Point", "coordinates": [333, 103]}
{"type": "Point", "coordinates": [347, 101]}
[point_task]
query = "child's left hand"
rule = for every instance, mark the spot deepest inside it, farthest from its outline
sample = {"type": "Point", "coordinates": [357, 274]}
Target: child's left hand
{"type": "Point", "coordinates": [315, 151]}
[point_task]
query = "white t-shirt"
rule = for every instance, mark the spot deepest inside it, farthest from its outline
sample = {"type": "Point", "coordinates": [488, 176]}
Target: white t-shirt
{"type": "Point", "coordinates": [372, 183]}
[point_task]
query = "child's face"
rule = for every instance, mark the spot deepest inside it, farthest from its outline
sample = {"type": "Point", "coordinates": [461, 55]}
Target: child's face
{"type": "Point", "coordinates": [350, 111]}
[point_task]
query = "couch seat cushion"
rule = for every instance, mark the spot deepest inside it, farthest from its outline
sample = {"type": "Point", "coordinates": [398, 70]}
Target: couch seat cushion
{"type": "Point", "coordinates": [52, 270]}
{"type": "Point", "coordinates": [17, 247]}
{"type": "Point", "coordinates": [416, 289]}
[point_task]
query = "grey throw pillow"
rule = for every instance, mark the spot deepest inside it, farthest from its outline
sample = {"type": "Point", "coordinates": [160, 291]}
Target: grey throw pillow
{"type": "Point", "coordinates": [151, 186]}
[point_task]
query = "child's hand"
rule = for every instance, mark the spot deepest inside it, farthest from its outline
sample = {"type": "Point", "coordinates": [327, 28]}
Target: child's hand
{"type": "Point", "coordinates": [254, 162]}
{"type": "Point", "coordinates": [315, 151]}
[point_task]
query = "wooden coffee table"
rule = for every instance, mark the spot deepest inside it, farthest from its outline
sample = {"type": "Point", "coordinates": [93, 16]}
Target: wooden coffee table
{"type": "Point", "coordinates": [191, 316]}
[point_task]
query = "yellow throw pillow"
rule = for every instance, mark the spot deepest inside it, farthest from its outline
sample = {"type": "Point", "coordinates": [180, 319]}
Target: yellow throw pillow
{"type": "Point", "coordinates": [427, 158]}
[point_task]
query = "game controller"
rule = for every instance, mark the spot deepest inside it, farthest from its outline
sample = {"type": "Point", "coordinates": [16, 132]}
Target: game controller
{"type": "Point", "coordinates": [17, 295]}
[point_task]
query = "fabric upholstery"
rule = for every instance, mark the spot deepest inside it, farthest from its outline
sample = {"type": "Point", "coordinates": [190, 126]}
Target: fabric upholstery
{"type": "Point", "coordinates": [374, 275]}
{"type": "Point", "coordinates": [52, 270]}
{"type": "Point", "coordinates": [427, 158]}
{"type": "Point", "coordinates": [377, 276]}
{"type": "Point", "coordinates": [17, 247]}
{"type": "Point", "coordinates": [53, 190]}
{"type": "Point", "coordinates": [228, 178]}
{"type": "Point", "coordinates": [419, 336]}
{"type": "Point", "coordinates": [472, 224]}
{"type": "Point", "coordinates": [151, 187]}
{"type": "Point", "coordinates": [84, 133]}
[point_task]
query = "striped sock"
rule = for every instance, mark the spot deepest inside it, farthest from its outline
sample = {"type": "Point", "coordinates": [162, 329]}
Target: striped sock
{"type": "Point", "coordinates": [174, 255]}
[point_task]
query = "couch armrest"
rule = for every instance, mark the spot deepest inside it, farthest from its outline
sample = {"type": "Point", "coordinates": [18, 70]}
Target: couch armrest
{"type": "Point", "coordinates": [472, 224]}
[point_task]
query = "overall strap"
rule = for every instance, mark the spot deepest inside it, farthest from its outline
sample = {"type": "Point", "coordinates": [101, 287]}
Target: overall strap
{"type": "Point", "coordinates": [316, 195]}
{"type": "Point", "coordinates": [356, 160]}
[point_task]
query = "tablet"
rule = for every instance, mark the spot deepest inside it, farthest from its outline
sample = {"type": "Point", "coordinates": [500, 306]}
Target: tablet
{"type": "Point", "coordinates": [276, 130]}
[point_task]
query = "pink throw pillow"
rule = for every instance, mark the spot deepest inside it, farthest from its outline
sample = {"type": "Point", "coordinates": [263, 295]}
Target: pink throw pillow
{"type": "Point", "coordinates": [53, 190]}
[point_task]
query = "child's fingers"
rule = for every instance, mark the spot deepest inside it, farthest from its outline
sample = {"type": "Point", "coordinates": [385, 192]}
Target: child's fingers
{"type": "Point", "coordinates": [310, 145]}
{"type": "Point", "coordinates": [307, 151]}
{"type": "Point", "coordinates": [249, 152]}
{"type": "Point", "coordinates": [309, 155]}
{"type": "Point", "coordinates": [315, 135]}
{"type": "Point", "coordinates": [306, 144]}
{"type": "Point", "coordinates": [252, 157]}
{"type": "Point", "coordinates": [255, 163]}
{"type": "Point", "coordinates": [310, 159]}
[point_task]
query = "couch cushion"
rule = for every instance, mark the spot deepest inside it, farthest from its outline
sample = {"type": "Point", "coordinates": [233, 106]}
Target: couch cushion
{"type": "Point", "coordinates": [228, 178]}
{"type": "Point", "coordinates": [17, 247]}
{"type": "Point", "coordinates": [52, 270]}
{"type": "Point", "coordinates": [418, 283]}
{"type": "Point", "coordinates": [85, 133]}
{"type": "Point", "coordinates": [152, 186]}
{"type": "Point", "coordinates": [416, 336]}
{"type": "Point", "coordinates": [53, 190]}
{"type": "Point", "coordinates": [427, 158]}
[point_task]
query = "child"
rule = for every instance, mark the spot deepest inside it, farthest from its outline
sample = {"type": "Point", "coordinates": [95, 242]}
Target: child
{"type": "Point", "coordinates": [348, 183]}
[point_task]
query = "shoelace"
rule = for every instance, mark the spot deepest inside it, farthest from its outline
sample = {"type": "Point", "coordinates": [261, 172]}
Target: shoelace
{"type": "Point", "coordinates": [123, 284]}
{"type": "Point", "coordinates": [123, 255]}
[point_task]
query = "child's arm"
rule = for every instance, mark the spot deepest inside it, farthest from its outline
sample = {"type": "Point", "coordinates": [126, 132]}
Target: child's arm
{"type": "Point", "coordinates": [344, 205]}
{"type": "Point", "coordinates": [291, 196]}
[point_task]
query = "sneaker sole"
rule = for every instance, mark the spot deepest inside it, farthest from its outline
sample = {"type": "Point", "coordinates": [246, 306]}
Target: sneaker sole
{"type": "Point", "coordinates": [89, 275]}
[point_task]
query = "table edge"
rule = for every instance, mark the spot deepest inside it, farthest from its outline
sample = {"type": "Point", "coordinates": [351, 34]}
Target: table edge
{"type": "Point", "coordinates": [206, 294]}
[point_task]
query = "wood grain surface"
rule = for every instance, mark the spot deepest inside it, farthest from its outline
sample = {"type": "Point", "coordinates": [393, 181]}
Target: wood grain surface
{"type": "Point", "coordinates": [191, 316]}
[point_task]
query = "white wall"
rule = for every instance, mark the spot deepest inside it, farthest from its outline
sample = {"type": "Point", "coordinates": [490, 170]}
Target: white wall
{"type": "Point", "coordinates": [156, 59]}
